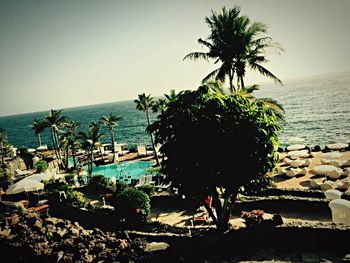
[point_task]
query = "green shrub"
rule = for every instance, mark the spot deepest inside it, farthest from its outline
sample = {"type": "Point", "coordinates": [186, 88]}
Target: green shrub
{"type": "Point", "coordinates": [76, 198]}
{"type": "Point", "coordinates": [133, 206]}
{"type": "Point", "coordinates": [147, 189]}
{"type": "Point", "coordinates": [41, 166]}
{"type": "Point", "coordinates": [257, 185]}
{"type": "Point", "coordinates": [101, 184]}
{"type": "Point", "coordinates": [69, 178]}
{"type": "Point", "coordinates": [120, 186]}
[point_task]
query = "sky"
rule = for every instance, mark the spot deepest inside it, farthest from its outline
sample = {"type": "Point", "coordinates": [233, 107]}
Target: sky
{"type": "Point", "coordinates": [60, 54]}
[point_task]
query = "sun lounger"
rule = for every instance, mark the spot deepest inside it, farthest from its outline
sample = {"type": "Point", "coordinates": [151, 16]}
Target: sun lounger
{"type": "Point", "coordinates": [141, 182]}
{"type": "Point", "coordinates": [340, 211]}
{"type": "Point", "coordinates": [42, 209]}
{"type": "Point", "coordinates": [332, 194]}
{"type": "Point", "coordinates": [24, 203]}
{"type": "Point", "coordinates": [19, 172]}
{"type": "Point", "coordinates": [162, 187]}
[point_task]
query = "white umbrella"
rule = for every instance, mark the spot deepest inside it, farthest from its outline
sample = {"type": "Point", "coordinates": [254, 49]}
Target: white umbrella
{"type": "Point", "coordinates": [39, 177]}
{"type": "Point", "coordinates": [25, 185]}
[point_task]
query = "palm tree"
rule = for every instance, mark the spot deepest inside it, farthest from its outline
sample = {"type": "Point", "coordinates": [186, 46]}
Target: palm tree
{"type": "Point", "coordinates": [218, 87]}
{"type": "Point", "coordinates": [111, 122]}
{"type": "Point", "coordinates": [234, 41]}
{"type": "Point", "coordinates": [54, 121]}
{"type": "Point", "coordinates": [90, 140]}
{"type": "Point", "coordinates": [38, 127]}
{"type": "Point", "coordinates": [5, 147]}
{"type": "Point", "coordinates": [144, 103]}
{"type": "Point", "coordinates": [69, 140]}
{"type": "Point", "coordinates": [159, 105]}
{"type": "Point", "coordinates": [172, 96]}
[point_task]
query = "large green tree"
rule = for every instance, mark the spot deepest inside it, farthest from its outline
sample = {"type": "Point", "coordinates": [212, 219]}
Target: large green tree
{"type": "Point", "coordinates": [111, 122]}
{"type": "Point", "coordinates": [216, 143]}
{"type": "Point", "coordinates": [144, 103]}
{"type": "Point", "coordinates": [237, 43]}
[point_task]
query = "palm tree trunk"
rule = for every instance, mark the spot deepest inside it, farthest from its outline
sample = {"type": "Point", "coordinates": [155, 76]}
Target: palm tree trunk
{"type": "Point", "coordinates": [232, 87]}
{"type": "Point", "coordinates": [242, 83]}
{"type": "Point", "coordinates": [73, 155]}
{"type": "Point", "coordinates": [113, 146]}
{"type": "Point", "coordinates": [58, 150]}
{"type": "Point", "coordinates": [154, 149]}
{"type": "Point", "coordinates": [39, 139]}
{"type": "Point", "coordinates": [54, 144]}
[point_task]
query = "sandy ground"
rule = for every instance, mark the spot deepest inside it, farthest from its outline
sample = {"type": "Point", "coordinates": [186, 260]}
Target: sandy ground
{"type": "Point", "coordinates": [303, 182]}
{"type": "Point", "coordinates": [182, 218]}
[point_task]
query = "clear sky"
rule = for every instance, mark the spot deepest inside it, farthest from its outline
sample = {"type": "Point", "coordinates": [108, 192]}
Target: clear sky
{"type": "Point", "coordinates": [58, 54]}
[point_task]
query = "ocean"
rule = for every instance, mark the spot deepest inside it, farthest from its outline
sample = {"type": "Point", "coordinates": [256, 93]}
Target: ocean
{"type": "Point", "coordinates": [317, 109]}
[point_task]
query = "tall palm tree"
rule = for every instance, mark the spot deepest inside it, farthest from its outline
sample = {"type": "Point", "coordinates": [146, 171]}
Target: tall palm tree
{"type": "Point", "coordinates": [236, 43]}
{"type": "Point", "coordinates": [90, 140]}
{"type": "Point", "coordinates": [111, 122]}
{"type": "Point", "coordinates": [159, 105]}
{"type": "Point", "coordinates": [144, 103]}
{"type": "Point", "coordinates": [69, 140]}
{"type": "Point", "coordinates": [5, 147]}
{"type": "Point", "coordinates": [54, 121]}
{"type": "Point", "coordinates": [172, 96]}
{"type": "Point", "coordinates": [38, 127]}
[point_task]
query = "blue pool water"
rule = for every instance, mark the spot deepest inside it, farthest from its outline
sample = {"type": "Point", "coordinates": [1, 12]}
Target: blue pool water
{"type": "Point", "coordinates": [124, 171]}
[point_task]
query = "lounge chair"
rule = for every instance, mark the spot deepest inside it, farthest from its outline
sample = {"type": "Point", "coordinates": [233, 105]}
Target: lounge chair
{"type": "Point", "coordinates": [340, 211]}
{"type": "Point", "coordinates": [24, 203]}
{"type": "Point", "coordinates": [163, 186]}
{"type": "Point", "coordinates": [149, 180]}
{"type": "Point", "coordinates": [332, 194]}
{"type": "Point", "coordinates": [42, 209]}
{"type": "Point", "coordinates": [141, 182]}
{"type": "Point", "coordinates": [202, 215]}
{"type": "Point", "coordinates": [141, 150]}
{"type": "Point", "coordinates": [19, 172]}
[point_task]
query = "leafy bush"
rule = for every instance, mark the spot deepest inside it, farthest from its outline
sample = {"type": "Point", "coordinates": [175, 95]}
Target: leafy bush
{"type": "Point", "coordinates": [69, 178]}
{"type": "Point", "coordinates": [120, 186]}
{"type": "Point", "coordinates": [5, 178]}
{"type": "Point", "coordinates": [257, 185]}
{"type": "Point", "coordinates": [76, 198]}
{"type": "Point", "coordinates": [41, 166]}
{"type": "Point", "coordinates": [133, 206]}
{"type": "Point", "coordinates": [253, 217]}
{"type": "Point", "coordinates": [101, 184]}
{"type": "Point", "coordinates": [147, 189]}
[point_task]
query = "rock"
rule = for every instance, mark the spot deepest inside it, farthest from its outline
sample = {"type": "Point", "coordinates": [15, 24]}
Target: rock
{"type": "Point", "coordinates": [38, 224]}
{"type": "Point", "coordinates": [61, 232]}
{"type": "Point", "coordinates": [5, 233]}
{"type": "Point", "coordinates": [13, 220]}
{"type": "Point", "coordinates": [123, 244]}
{"type": "Point", "coordinates": [309, 257]}
{"type": "Point", "coordinates": [346, 258]}
{"type": "Point", "coordinates": [53, 220]}
{"type": "Point", "coordinates": [76, 224]}
{"type": "Point", "coordinates": [87, 258]}
{"type": "Point", "coordinates": [156, 246]}
{"type": "Point", "coordinates": [74, 231]}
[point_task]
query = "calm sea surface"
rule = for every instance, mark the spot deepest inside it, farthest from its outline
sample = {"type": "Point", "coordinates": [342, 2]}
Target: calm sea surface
{"type": "Point", "coordinates": [317, 109]}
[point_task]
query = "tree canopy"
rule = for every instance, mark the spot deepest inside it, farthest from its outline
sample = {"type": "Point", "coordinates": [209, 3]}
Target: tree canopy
{"type": "Point", "coordinates": [215, 143]}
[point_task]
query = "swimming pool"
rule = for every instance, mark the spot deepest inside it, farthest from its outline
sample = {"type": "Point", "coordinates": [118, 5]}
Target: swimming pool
{"type": "Point", "coordinates": [124, 171]}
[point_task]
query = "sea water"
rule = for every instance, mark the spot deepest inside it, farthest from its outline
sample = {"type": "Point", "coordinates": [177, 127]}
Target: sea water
{"type": "Point", "coordinates": [317, 109]}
